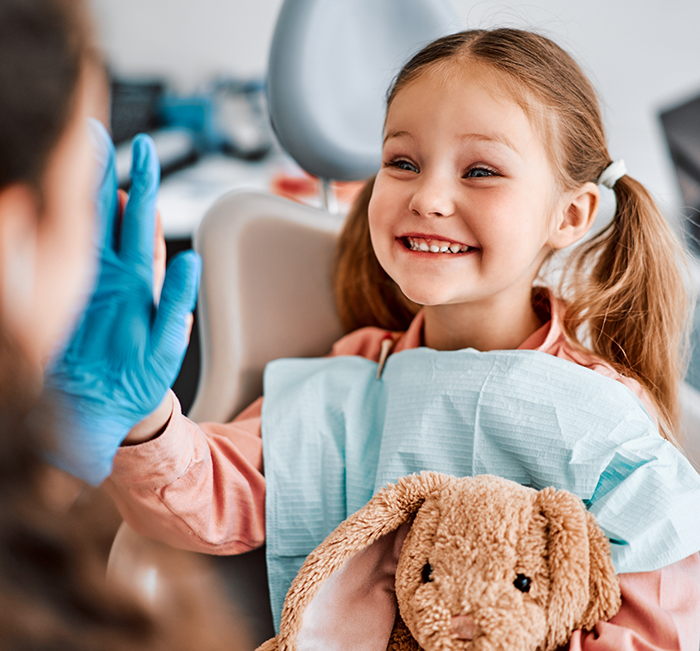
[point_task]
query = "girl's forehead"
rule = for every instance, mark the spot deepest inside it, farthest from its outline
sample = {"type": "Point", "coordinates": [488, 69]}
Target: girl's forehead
{"type": "Point", "coordinates": [442, 78]}
{"type": "Point", "coordinates": [457, 99]}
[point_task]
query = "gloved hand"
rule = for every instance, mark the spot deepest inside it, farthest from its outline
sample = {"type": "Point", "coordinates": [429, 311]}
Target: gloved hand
{"type": "Point", "coordinates": [126, 352]}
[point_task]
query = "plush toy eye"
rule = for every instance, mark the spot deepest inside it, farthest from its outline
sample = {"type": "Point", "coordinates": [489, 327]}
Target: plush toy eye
{"type": "Point", "coordinates": [427, 572]}
{"type": "Point", "coordinates": [522, 583]}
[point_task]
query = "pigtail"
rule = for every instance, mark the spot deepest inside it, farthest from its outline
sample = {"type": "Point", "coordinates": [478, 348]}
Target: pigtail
{"type": "Point", "coordinates": [365, 295]}
{"type": "Point", "coordinates": [627, 300]}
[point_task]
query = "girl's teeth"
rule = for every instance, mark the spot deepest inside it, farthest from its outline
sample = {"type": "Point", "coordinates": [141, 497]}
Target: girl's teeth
{"type": "Point", "coordinates": [443, 247]}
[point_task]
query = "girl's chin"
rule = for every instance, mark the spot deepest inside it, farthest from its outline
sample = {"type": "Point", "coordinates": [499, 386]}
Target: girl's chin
{"type": "Point", "coordinates": [432, 296]}
{"type": "Point", "coordinates": [425, 298]}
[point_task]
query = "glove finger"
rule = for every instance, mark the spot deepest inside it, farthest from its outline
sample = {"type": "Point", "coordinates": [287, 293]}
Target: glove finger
{"type": "Point", "coordinates": [170, 332]}
{"type": "Point", "coordinates": [139, 220]}
{"type": "Point", "coordinates": [106, 199]}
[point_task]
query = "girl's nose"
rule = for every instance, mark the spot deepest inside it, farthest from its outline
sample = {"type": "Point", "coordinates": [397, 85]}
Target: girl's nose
{"type": "Point", "coordinates": [433, 198]}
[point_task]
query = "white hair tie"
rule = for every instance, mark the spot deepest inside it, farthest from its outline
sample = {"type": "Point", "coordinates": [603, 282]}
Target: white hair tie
{"type": "Point", "coordinates": [612, 174]}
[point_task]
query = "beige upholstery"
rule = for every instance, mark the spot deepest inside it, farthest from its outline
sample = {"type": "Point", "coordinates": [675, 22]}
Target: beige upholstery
{"type": "Point", "coordinates": [265, 293]}
{"type": "Point", "coordinates": [690, 403]}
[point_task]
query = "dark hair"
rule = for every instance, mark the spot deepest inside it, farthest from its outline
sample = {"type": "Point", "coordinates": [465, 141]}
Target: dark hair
{"type": "Point", "coordinates": [43, 46]}
{"type": "Point", "coordinates": [626, 298]}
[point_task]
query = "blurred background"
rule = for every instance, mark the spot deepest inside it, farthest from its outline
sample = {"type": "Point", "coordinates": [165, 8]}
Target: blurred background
{"type": "Point", "coordinates": [201, 64]}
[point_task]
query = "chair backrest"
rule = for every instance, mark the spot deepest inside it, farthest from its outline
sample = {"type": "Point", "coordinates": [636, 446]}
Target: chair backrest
{"type": "Point", "coordinates": [690, 423]}
{"type": "Point", "coordinates": [331, 63]}
{"type": "Point", "coordinates": [265, 293]}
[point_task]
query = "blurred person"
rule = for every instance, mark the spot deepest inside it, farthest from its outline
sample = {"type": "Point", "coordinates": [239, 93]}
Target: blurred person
{"type": "Point", "coordinates": [53, 592]}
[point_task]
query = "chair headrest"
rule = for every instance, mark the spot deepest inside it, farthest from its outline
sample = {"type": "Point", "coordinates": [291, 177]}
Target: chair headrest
{"type": "Point", "coordinates": [331, 64]}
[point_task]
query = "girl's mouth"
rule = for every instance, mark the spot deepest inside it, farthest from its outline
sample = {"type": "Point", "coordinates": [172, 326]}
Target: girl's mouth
{"type": "Point", "coordinates": [432, 245]}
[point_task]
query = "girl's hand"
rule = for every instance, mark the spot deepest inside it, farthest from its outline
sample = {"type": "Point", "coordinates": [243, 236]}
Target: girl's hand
{"type": "Point", "coordinates": [126, 351]}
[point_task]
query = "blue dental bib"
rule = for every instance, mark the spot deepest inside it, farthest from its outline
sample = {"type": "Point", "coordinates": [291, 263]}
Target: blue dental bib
{"type": "Point", "coordinates": [333, 434]}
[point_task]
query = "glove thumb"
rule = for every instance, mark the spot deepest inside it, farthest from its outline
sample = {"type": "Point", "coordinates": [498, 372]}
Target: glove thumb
{"type": "Point", "coordinates": [169, 335]}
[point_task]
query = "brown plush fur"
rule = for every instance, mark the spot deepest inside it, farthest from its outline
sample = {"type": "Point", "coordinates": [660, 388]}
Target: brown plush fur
{"type": "Point", "coordinates": [478, 534]}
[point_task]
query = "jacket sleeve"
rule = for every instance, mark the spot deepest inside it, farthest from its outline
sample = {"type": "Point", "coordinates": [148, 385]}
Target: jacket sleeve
{"type": "Point", "coordinates": [201, 487]}
{"type": "Point", "coordinates": [660, 610]}
{"type": "Point", "coordinates": [197, 487]}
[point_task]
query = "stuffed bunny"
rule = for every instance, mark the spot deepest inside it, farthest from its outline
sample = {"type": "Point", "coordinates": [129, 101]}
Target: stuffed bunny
{"type": "Point", "coordinates": [476, 563]}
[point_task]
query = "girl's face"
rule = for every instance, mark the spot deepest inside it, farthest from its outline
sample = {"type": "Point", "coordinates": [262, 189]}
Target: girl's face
{"type": "Point", "coordinates": [463, 206]}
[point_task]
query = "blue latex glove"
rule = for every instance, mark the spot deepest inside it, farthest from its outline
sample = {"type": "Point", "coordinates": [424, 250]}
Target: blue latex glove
{"type": "Point", "coordinates": [125, 352]}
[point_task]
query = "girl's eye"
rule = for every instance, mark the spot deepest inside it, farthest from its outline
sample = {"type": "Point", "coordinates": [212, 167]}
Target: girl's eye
{"type": "Point", "coordinates": [479, 173]}
{"type": "Point", "coordinates": [403, 164]}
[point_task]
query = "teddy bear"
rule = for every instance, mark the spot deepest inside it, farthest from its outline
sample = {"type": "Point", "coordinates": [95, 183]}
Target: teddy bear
{"type": "Point", "coordinates": [440, 563]}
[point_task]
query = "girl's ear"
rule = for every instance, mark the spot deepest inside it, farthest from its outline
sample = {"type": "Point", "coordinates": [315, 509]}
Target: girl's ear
{"type": "Point", "coordinates": [19, 221]}
{"type": "Point", "coordinates": [575, 216]}
{"type": "Point", "coordinates": [343, 596]}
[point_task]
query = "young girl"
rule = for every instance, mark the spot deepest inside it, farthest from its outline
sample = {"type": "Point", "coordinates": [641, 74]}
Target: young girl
{"type": "Point", "coordinates": [493, 151]}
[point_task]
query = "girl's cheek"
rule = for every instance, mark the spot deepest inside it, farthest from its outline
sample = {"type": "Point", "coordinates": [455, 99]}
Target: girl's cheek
{"type": "Point", "coordinates": [374, 208]}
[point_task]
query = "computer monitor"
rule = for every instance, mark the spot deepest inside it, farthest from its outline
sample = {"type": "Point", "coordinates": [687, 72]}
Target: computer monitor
{"type": "Point", "coordinates": [682, 128]}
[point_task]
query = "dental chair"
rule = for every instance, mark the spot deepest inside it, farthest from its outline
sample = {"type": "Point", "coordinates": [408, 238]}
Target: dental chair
{"type": "Point", "coordinates": [265, 290]}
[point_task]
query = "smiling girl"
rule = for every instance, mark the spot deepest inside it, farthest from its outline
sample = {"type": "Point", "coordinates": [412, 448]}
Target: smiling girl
{"type": "Point", "coordinates": [493, 152]}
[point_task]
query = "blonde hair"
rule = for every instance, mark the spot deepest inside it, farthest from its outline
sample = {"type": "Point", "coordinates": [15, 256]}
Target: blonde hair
{"type": "Point", "coordinates": [624, 290]}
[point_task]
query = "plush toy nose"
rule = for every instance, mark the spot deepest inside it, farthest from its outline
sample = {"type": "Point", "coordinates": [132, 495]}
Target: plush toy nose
{"type": "Point", "coordinates": [463, 627]}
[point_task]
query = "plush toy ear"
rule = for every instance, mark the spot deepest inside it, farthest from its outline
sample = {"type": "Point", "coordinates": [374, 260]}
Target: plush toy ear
{"type": "Point", "coordinates": [582, 578]}
{"type": "Point", "coordinates": [604, 596]}
{"type": "Point", "coordinates": [343, 596]}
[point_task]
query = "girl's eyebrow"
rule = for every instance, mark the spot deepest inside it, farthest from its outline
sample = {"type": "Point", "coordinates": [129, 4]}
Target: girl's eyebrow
{"type": "Point", "coordinates": [396, 134]}
{"type": "Point", "coordinates": [498, 138]}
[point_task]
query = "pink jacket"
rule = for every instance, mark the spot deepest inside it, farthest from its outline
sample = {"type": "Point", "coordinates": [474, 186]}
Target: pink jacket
{"type": "Point", "coordinates": [201, 487]}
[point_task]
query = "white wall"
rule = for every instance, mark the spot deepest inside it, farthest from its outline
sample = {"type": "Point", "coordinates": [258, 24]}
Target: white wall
{"type": "Point", "coordinates": [642, 55]}
{"type": "Point", "coordinates": [187, 40]}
